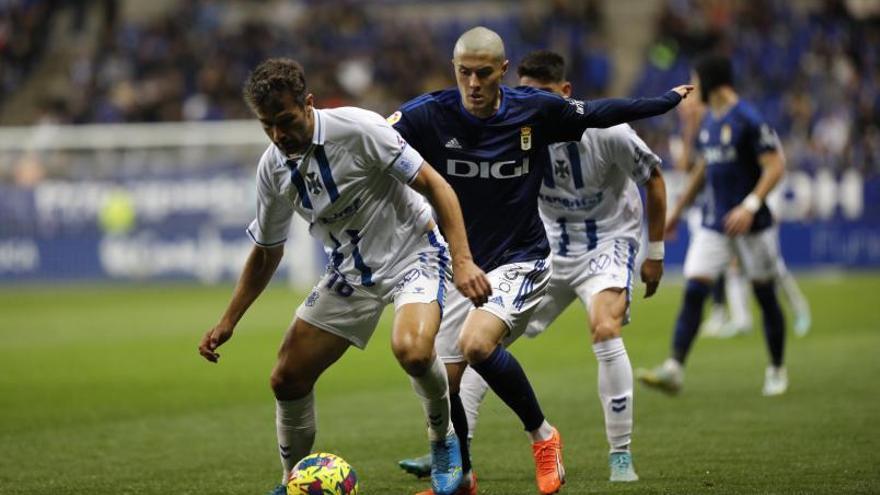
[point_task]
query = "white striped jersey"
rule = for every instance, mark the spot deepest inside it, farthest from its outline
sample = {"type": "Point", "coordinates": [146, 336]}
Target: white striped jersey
{"type": "Point", "coordinates": [351, 186]}
{"type": "Point", "coordinates": [590, 195]}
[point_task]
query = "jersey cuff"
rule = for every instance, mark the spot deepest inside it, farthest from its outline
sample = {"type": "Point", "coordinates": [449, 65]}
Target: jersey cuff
{"type": "Point", "coordinates": [263, 244]}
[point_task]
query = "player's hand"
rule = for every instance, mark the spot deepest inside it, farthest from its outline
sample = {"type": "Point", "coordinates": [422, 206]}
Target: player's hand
{"type": "Point", "coordinates": [652, 272]}
{"type": "Point", "coordinates": [472, 282]}
{"type": "Point", "coordinates": [670, 232]}
{"type": "Point", "coordinates": [213, 339]}
{"type": "Point", "coordinates": [738, 221]}
{"type": "Point", "coordinates": [684, 90]}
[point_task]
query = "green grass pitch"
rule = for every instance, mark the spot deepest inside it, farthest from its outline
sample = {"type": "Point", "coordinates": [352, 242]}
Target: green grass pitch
{"type": "Point", "coordinates": [102, 392]}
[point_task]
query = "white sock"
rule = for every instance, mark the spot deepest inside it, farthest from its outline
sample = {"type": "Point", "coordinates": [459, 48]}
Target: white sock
{"type": "Point", "coordinates": [544, 432]}
{"type": "Point", "coordinates": [295, 427]}
{"type": "Point", "coordinates": [737, 288]}
{"type": "Point", "coordinates": [615, 392]}
{"type": "Point", "coordinates": [472, 392]}
{"type": "Point", "coordinates": [433, 390]}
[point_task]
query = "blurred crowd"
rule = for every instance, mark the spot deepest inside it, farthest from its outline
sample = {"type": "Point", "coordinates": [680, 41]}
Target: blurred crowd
{"type": "Point", "coordinates": [24, 28]}
{"type": "Point", "coordinates": [814, 75]}
{"type": "Point", "coordinates": [189, 62]}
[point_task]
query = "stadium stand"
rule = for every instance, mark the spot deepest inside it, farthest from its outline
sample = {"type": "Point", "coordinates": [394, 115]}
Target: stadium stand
{"type": "Point", "coordinates": [816, 77]}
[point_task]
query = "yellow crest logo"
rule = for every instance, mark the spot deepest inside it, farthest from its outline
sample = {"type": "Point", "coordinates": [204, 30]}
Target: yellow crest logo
{"type": "Point", "coordinates": [525, 138]}
{"type": "Point", "coordinates": [394, 117]}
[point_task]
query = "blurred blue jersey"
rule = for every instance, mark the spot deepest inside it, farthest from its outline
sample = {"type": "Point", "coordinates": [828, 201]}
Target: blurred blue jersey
{"type": "Point", "coordinates": [496, 165]}
{"type": "Point", "coordinates": [730, 145]}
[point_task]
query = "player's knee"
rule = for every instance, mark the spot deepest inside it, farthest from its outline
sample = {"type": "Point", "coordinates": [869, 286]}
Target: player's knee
{"type": "Point", "coordinates": [414, 361]}
{"type": "Point", "coordinates": [606, 329]}
{"type": "Point", "coordinates": [475, 349]}
{"type": "Point", "coordinates": [289, 386]}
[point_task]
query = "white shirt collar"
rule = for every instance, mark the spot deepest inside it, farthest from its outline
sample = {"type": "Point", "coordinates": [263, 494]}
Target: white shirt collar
{"type": "Point", "coordinates": [320, 131]}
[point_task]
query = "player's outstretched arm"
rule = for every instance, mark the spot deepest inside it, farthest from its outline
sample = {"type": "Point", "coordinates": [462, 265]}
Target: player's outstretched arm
{"type": "Point", "coordinates": [740, 219]}
{"type": "Point", "coordinates": [469, 279]}
{"type": "Point", "coordinates": [652, 268]}
{"type": "Point", "coordinates": [607, 112]}
{"type": "Point", "coordinates": [695, 184]}
{"type": "Point", "coordinates": [255, 276]}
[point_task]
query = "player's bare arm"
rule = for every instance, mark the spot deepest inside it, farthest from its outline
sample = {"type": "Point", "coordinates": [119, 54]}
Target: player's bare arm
{"type": "Point", "coordinates": [469, 279]}
{"type": "Point", "coordinates": [696, 181]}
{"type": "Point", "coordinates": [255, 276]}
{"type": "Point", "coordinates": [740, 219]}
{"type": "Point", "coordinates": [652, 268]}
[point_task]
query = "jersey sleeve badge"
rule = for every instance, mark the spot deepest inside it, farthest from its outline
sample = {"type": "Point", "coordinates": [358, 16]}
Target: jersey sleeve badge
{"type": "Point", "coordinates": [394, 117]}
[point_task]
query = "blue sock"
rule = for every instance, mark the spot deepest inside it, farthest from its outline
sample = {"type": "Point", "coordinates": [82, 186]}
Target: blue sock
{"type": "Point", "coordinates": [508, 380]}
{"type": "Point", "coordinates": [719, 292]}
{"type": "Point", "coordinates": [459, 422]}
{"type": "Point", "coordinates": [774, 322]}
{"type": "Point", "coordinates": [689, 319]}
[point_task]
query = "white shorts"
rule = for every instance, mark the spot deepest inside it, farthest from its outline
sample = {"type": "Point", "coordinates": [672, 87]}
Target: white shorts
{"type": "Point", "coordinates": [609, 266]}
{"type": "Point", "coordinates": [352, 311]}
{"type": "Point", "coordinates": [710, 252]}
{"type": "Point", "coordinates": [517, 289]}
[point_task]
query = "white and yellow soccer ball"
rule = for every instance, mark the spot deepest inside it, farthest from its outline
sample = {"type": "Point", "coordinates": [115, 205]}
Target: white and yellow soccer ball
{"type": "Point", "coordinates": [322, 474]}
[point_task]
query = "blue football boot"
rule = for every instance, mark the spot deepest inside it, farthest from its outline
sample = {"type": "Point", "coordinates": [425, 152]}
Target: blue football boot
{"type": "Point", "coordinates": [446, 474]}
{"type": "Point", "coordinates": [622, 467]}
{"type": "Point", "coordinates": [420, 467]}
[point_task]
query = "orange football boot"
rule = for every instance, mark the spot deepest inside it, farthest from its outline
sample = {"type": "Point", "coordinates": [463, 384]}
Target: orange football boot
{"type": "Point", "coordinates": [549, 472]}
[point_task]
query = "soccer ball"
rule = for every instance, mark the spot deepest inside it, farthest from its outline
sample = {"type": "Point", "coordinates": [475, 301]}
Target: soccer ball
{"type": "Point", "coordinates": [322, 474]}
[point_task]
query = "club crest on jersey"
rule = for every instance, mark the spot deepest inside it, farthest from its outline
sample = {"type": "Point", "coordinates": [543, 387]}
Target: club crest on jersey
{"type": "Point", "coordinates": [725, 134]}
{"type": "Point", "coordinates": [525, 138]}
{"type": "Point", "coordinates": [394, 117]}
{"type": "Point", "coordinates": [314, 183]}
{"type": "Point", "coordinates": [561, 169]}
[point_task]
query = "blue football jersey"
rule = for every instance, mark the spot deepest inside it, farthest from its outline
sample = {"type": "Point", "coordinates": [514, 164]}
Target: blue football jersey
{"type": "Point", "coordinates": [730, 145]}
{"type": "Point", "coordinates": [496, 165]}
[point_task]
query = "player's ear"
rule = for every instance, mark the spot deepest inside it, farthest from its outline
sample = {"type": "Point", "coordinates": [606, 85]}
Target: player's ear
{"type": "Point", "coordinates": [504, 66]}
{"type": "Point", "coordinates": [310, 100]}
{"type": "Point", "coordinates": [566, 89]}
